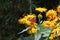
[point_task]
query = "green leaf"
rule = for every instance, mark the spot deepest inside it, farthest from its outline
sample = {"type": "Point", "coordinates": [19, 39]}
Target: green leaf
{"type": "Point", "coordinates": [24, 30]}
{"type": "Point", "coordinates": [43, 30]}
{"type": "Point", "coordinates": [37, 36]}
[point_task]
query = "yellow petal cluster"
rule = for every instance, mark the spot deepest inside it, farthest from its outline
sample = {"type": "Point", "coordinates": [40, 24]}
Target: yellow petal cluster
{"type": "Point", "coordinates": [58, 8]}
{"type": "Point", "coordinates": [56, 30]}
{"type": "Point", "coordinates": [30, 16]}
{"type": "Point", "coordinates": [59, 33]}
{"type": "Point", "coordinates": [29, 20]}
{"type": "Point", "coordinates": [51, 14]}
{"type": "Point", "coordinates": [55, 20]}
{"type": "Point", "coordinates": [32, 31]}
{"type": "Point", "coordinates": [52, 37]}
{"type": "Point", "coordinates": [24, 21]}
{"type": "Point", "coordinates": [41, 9]}
{"type": "Point", "coordinates": [48, 24]}
{"type": "Point", "coordinates": [58, 25]}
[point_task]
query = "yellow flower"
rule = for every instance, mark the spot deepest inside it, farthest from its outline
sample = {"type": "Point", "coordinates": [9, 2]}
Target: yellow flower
{"type": "Point", "coordinates": [54, 20]}
{"type": "Point", "coordinates": [31, 16]}
{"type": "Point", "coordinates": [41, 9]}
{"type": "Point", "coordinates": [22, 21]}
{"type": "Point", "coordinates": [32, 31]}
{"type": "Point", "coordinates": [52, 36]}
{"type": "Point", "coordinates": [48, 24]}
{"type": "Point", "coordinates": [29, 20]}
{"type": "Point", "coordinates": [58, 8]}
{"type": "Point", "coordinates": [58, 19]}
{"type": "Point", "coordinates": [56, 31]}
{"type": "Point", "coordinates": [26, 18]}
{"type": "Point", "coordinates": [51, 14]}
{"type": "Point", "coordinates": [33, 24]}
{"type": "Point", "coordinates": [58, 25]}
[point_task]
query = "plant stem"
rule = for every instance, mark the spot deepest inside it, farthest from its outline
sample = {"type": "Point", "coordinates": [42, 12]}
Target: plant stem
{"type": "Point", "coordinates": [49, 35]}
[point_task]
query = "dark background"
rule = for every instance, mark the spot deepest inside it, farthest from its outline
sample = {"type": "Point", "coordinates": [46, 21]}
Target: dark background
{"type": "Point", "coordinates": [12, 10]}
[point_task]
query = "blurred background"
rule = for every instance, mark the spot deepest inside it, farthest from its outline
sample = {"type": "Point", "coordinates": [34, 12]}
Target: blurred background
{"type": "Point", "coordinates": [12, 10]}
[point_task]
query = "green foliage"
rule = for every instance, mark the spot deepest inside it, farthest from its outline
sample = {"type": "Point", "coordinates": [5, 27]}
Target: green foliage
{"type": "Point", "coordinates": [42, 28]}
{"type": "Point", "coordinates": [43, 32]}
